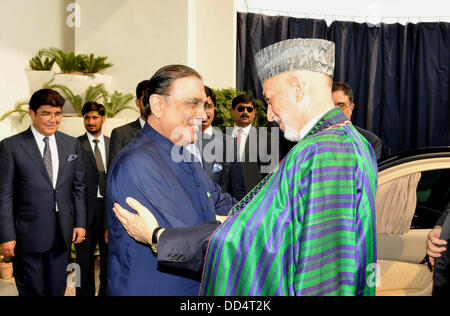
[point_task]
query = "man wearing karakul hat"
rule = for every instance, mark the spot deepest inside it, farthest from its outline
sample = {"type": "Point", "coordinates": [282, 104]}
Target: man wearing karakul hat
{"type": "Point", "coordinates": [309, 227]}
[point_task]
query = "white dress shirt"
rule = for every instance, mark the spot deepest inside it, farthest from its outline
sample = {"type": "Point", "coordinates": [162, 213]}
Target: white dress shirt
{"type": "Point", "coordinates": [102, 148]}
{"type": "Point", "coordinates": [53, 151]}
{"type": "Point", "coordinates": [142, 122]}
{"type": "Point", "coordinates": [244, 136]}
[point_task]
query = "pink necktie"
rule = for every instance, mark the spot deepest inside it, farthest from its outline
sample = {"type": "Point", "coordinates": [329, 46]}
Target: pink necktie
{"type": "Point", "coordinates": [239, 137]}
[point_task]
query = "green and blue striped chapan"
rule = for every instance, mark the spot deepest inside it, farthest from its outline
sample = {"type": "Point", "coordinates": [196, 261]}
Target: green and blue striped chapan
{"type": "Point", "coordinates": [307, 229]}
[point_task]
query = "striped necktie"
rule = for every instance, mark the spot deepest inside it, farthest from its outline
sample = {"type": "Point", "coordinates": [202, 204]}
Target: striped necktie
{"type": "Point", "coordinates": [48, 158]}
{"type": "Point", "coordinates": [101, 174]}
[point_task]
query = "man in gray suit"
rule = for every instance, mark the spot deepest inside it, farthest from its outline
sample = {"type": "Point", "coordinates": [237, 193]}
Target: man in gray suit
{"type": "Point", "coordinates": [121, 136]}
{"type": "Point", "coordinates": [42, 199]}
{"type": "Point", "coordinates": [342, 95]}
{"type": "Point", "coordinates": [95, 148]}
{"type": "Point", "coordinates": [227, 174]}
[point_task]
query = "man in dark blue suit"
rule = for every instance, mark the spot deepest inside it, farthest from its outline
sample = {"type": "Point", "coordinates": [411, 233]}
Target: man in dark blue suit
{"type": "Point", "coordinates": [42, 199]}
{"type": "Point", "coordinates": [152, 169]}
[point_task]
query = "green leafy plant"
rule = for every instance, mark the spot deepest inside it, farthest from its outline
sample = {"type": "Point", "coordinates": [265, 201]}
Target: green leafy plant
{"type": "Point", "coordinates": [67, 62]}
{"type": "Point", "coordinates": [118, 102]}
{"type": "Point", "coordinates": [76, 100]}
{"type": "Point", "coordinates": [91, 64]}
{"type": "Point", "coordinates": [222, 116]}
{"type": "Point", "coordinates": [114, 103]}
{"type": "Point", "coordinates": [21, 108]}
{"type": "Point", "coordinates": [39, 63]}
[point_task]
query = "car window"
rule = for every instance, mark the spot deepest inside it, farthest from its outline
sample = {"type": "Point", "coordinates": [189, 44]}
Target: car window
{"type": "Point", "coordinates": [433, 196]}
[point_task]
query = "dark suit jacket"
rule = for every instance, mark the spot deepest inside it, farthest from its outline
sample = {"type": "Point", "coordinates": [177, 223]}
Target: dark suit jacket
{"type": "Point", "coordinates": [91, 175]}
{"type": "Point", "coordinates": [121, 136]}
{"type": "Point", "coordinates": [27, 197]}
{"type": "Point", "coordinates": [226, 173]}
{"type": "Point", "coordinates": [441, 282]}
{"type": "Point", "coordinates": [373, 139]}
{"type": "Point", "coordinates": [177, 251]}
{"type": "Point", "coordinates": [252, 169]}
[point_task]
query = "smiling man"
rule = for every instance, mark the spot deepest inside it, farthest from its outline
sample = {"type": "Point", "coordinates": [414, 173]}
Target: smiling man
{"type": "Point", "coordinates": [178, 192]}
{"type": "Point", "coordinates": [42, 199]}
{"type": "Point", "coordinates": [306, 229]}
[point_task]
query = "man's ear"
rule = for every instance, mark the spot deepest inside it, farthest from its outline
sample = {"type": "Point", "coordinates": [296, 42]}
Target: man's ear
{"type": "Point", "coordinates": [156, 105]}
{"type": "Point", "coordinates": [32, 114]}
{"type": "Point", "coordinates": [297, 85]}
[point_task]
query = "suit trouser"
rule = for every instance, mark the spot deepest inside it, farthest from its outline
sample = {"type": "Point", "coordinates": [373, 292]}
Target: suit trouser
{"type": "Point", "coordinates": [85, 254]}
{"type": "Point", "coordinates": [43, 274]}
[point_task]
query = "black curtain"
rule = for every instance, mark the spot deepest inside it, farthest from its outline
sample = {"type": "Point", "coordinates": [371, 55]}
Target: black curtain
{"type": "Point", "coordinates": [399, 74]}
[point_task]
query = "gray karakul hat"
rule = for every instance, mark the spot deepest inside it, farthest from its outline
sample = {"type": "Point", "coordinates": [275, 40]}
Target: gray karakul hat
{"type": "Point", "coordinates": [295, 54]}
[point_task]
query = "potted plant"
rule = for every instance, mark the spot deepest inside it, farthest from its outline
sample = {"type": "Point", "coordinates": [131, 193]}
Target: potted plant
{"type": "Point", "coordinates": [77, 72]}
{"type": "Point", "coordinates": [40, 70]}
{"type": "Point", "coordinates": [6, 267]}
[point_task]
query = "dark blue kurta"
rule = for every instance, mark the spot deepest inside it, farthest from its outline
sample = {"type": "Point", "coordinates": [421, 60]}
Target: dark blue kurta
{"type": "Point", "coordinates": [179, 194]}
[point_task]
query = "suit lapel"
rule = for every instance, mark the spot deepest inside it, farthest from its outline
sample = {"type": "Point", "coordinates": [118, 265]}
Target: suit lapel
{"type": "Point", "coordinates": [106, 149]}
{"type": "Point", "coordinates": [63, 155]}
{"type": "Point", "coordinates": [207, 166]}
{"type": "Point", "coordinates": [31, 148]}
{"type": "Point", "coordinates": [84, 141]}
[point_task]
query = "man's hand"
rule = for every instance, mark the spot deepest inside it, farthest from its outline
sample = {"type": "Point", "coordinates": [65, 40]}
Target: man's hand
{"type": "Point", "coordinates": [78, 235]}
{"type": "Point", "coordinates": [139, 226]}
{"type": "Point", "coordinates": [8, 248]}
{"type": "Point", "coordinates": [435, 244]}
{"type": "Point", "coordinates": [106, 236]}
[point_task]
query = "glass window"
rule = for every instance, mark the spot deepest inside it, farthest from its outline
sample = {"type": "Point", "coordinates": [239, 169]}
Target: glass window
{"type": "Point", "coordinates": [433, 196]}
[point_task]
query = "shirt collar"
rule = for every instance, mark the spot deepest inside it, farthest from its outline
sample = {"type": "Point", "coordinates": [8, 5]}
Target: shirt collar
{"type": "Point", "coordinates": [39, 137]}
{"type": "Point", "coordinates": [305, 130]}
{"type": "Point", "coordinates": [208, 131]}
{"type": "Point", "coordinates": [245, 130]}
{"type": "Point", "coordinates": [91, 138]}
{"type": "Point", "coordinates": [142, 122]}
{"type": "Point", "coordinates": [165, 143]}
{"type": "Point", "coordinates": [331, 117]}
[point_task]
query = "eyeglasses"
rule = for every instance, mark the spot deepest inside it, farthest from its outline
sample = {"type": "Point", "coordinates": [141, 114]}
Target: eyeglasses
{"type": "Point", "coordinates": [242, 108]}
{"type": "Point", "coordinates": [193, 102]}
{"type": "Point", "coordinates": [48, 115]}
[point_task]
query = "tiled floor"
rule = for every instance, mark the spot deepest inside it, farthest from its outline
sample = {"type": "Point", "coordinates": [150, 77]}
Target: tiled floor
{"type": "Point", "coordinates": [8, 287]}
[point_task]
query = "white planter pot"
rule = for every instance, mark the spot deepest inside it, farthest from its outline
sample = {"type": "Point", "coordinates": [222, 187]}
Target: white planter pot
{"type": "Point", "coordinates": [36, 79]}
{"type": "Point", "coordinates": [78, 84]}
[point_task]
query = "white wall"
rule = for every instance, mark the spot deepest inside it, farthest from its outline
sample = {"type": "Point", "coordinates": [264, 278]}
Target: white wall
{"type": "Point", "coordinates": [216, 42]}
{"type": "Point", "coordinates": [27, 26]}
{"type": "Point", "coordinates": [138, 36]}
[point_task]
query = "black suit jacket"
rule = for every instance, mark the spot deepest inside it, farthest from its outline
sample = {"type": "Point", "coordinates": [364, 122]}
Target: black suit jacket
{"type": "Point", "coordinates": [373, 139]}
{"type": "Point", "coordinates": [91, 176]}
{"type": "Point", "coordinates": [177, 251]}
{"type": "Point", "coordinates": [441, 281]}
{"type": "Point", "coordinates": [27, 197]}
{"type": "Point", "coordinates": [121, 136]}
{"type": "Point", "coordinates": [226, 173]}
{"type": "Point", "coordinates": [252, 163]}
